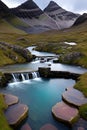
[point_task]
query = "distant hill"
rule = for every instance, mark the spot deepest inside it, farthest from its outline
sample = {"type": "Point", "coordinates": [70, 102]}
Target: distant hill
{"type": "Point", "coordinates": [81, 19]}
{"type": "Point", "coordinates": [63, 18]}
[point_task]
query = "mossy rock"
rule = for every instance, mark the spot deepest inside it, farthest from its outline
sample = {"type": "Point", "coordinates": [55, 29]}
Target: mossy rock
{"type": "Point", "coordinates": [83, 111]}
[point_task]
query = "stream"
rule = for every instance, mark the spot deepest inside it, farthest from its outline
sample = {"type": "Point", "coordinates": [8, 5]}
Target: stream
{"type": "Point", "coordinates": [38, 93]}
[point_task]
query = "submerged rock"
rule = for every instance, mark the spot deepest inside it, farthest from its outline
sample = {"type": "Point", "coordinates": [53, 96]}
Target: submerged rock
{"type": "Point", "coordinates": [65, 113]}
{"type": "Point", "coordinates": [48, 127]}
{"type": "Point", "coordinates": [25, 127]}
{"type": "Point", "coordinates": [16, 113]}
{"type": "Point", "coordinates": [80, 125]}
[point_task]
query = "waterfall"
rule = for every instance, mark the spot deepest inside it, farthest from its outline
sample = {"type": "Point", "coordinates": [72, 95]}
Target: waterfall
{"type": "Point", "coordinates": [14, 78]}
{"type": "Point", "coordinates": [34, 75]}
{"type": "Point", "coordinates": [27, 76]}
{"type": "Point", "coordinates": [23, 78]}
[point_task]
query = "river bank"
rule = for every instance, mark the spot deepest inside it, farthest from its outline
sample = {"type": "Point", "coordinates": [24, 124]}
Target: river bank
{"type": "Point", "coordinates": [43, 64]}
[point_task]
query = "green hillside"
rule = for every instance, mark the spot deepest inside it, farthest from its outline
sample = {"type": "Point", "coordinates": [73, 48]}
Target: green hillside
{"type": "Point", "coordinates": [5, 27]}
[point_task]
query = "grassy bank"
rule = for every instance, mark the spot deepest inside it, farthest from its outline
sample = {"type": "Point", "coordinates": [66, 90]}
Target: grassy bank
{"type": "Point", "coordinates": [54, 42]}
{"type": "Point", "coordinates": [82, 86]}
{"type": "Point", "coordinates": [3, 122]}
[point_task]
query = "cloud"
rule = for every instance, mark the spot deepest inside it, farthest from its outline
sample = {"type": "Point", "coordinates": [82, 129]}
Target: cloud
{"type": "Point", "coordinates": [13, 3]}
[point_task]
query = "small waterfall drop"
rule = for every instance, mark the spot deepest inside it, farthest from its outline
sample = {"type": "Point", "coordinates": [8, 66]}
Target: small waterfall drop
{"type": "Point", "coordinates": [27, 76]}
{"type": "Point", "coordinates": [14, 78]}
{"type": "Point", "coordinates": [23, 78]}
{"type": "Point", "coordinates": [17, 77]}
{"type": "Point", "coordinates": [35, 75]}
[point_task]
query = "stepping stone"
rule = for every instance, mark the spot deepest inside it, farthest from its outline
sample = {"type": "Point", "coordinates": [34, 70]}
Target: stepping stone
{"type": "Point", "coordinates": [65, 113]}
{"type": "Point", "coordinates": [48, 127]}
{"type": "Point", "coordinates": [10, 99]}
{"type": "Point", "coordinates": [80, 125]}
{"type": "Point", "coordinates": [74, 97]}
{"type": "Point", "coordinates": [26, 127]}
{"type": "Point", "coordinates": [16, 113]}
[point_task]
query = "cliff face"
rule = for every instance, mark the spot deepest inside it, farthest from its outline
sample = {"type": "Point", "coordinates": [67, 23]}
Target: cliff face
{"type": "Point", "coordinates": [81, 19]}
{"type": "Point", "coordinates": [4, 10]}
{"type": "Point", "coordinates": [63, 18]}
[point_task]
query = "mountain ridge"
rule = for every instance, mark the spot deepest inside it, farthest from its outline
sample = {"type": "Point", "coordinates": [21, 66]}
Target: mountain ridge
{"type": "Point", "coordinates": [35, 20]}
{"type": "Point", "coordinates": [35, 17]}
{"type": "Point", "coordinates": [81, 19]}
{"type": "Point", "coordinates": [64, 19]}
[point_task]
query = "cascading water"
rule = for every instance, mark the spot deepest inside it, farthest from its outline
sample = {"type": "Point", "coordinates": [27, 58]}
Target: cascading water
{"type": "Point", "coordinates": [34, 75]}
{"type": "Point", "coordinates": [14, 78]}
{"type": "Point", "coordinates": [25, 76]}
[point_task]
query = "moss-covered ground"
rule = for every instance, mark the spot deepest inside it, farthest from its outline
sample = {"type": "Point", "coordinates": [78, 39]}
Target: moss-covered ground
{"type": "Point", "coordinates": [50, 42]}
{"type": "Point", "coordinates": [3, 122]}
{"type": "Point", "coordinates": [81, 85]}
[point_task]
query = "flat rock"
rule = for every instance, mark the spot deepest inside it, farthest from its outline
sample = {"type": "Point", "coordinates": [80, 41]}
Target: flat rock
{"type": "Point", "coordinates": [80, 125]}
{"type": "Point", "coordinates": [48, 127]}
{"type": "Point", "coordinates": [26, 127]}
{"type": "Point", "coordinates": [16, 113]}
{"type": "Point", "coordinates": [10, 99]}
{"type": "Point", "coordinates": [65, 113]}
{"type": "Point", "coordinates": [74, 97]}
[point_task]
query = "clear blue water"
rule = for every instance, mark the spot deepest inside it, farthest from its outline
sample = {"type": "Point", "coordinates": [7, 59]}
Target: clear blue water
{"type": "Point", "coordinates": [40, 95]}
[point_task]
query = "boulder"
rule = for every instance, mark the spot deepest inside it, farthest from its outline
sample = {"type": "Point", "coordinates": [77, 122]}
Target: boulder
{"type": "Point", "coordinates": [44, 72]}
{"type": "Point", "coordinates": [26, 127]}
{"type": "Point", "coordinates": [48, 127]}
{"type": "Point", "coordinates": [10, 99]}
{"type": "Point", "coordinates": [16, 113]}
{"type": "Point", "coordinates": [65, 113]}
{"type": "Point", "coordinates": [80, 125]}
{"type": "Point", "coordinates": [74, 97]}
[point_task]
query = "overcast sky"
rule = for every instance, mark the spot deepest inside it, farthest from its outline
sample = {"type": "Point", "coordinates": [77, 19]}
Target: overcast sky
{"type": "Point", "coordinates": [77, 6]}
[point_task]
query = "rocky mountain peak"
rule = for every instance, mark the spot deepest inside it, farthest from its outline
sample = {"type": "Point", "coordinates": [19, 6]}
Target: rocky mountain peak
{"type": "Point", "coordinates": [81, 19]}
{"type": "Point", "coordinates": [27, 9]}
{"type": "Point", "coordinates": [4, 10]}
{"type": "Point", "coordinates": [52, 6]}
{"type": "Point", "coordinates": [3, 6]}
{"type": "Point", "coordinates": [29, 4]}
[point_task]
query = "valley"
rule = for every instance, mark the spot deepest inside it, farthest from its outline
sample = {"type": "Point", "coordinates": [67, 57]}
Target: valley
{"type": "Point", "coordinates": [53, 31]}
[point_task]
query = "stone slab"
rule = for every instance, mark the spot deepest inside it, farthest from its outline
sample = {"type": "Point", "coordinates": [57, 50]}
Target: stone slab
{"type": "Point", "coordinates": [26, 127]}
{"type": "Point", "coordinates": [16, 113]}
{"type": "Point", "coordinates": [80, 125]}
{"type": "Point", "coordinates": [48, 127]}
{"type": "Point", "coordinates": [74, 97]}
{"type": "Point", "coordinates": [65, 113]}
{"type": "Point", "coordinates": [10, 99]}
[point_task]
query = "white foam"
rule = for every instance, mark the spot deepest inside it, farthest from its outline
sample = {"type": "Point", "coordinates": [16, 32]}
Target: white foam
{"type": "Point", "coordinates": [70, 43]}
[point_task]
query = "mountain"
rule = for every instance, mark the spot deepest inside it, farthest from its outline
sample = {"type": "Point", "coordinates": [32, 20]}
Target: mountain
{"type": "Point", "coordinates": [81, 19]}
{"type": "Point", "coordinates": [63, 18]}
{"type": "Point", "coordinates": [3, 9]}
{"type": "Point", "coordinates": [30, 18]}
{"type": "Point", "coordinates": [9, 23]}
{"type": "Point", "coordinates": [31, 14]}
